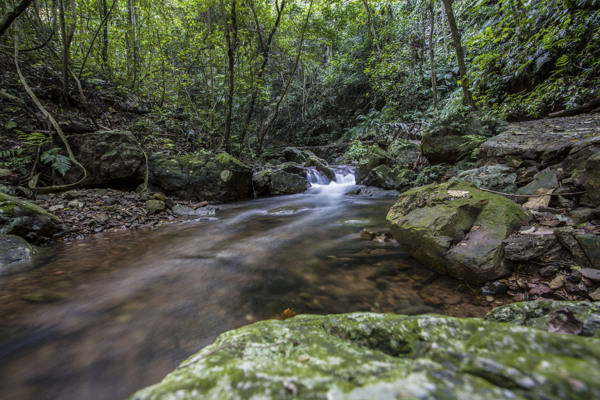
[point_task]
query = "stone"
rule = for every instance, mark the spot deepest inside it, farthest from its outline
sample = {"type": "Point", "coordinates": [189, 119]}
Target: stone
{"type": "Point", "coordinates": [294, 155]}
{"type": "Point", "coordinates": [546, 179]}
{"type": "Point", "coordinates": [107, 156]}
{"type": "Point", "coordinates": [186, 211]}
{"type": "Point", "coordinates": [590, 244]}
{"type": "Point", "coordinates": [557, 282]}
{"type": "Point", "coordinates": [28, 220]}
{"type": "Point", "coordinates": [566, 237]}
{"type": "Point", "coordinates": [16, 255]}
{"type": "Point", "coordinates": [380, 177]}
{"type": "Point", "coordinates": [321, 166]}
{"type": "Point", "coordinates": [261, 181]}
{"type": "Point", "coordinates": [367, 234]}
{"type": "Point", "coordinates": [404, 152]}
{"type": "Point", "coordinates": [460, 237]}
{"type": "Point", "coordinates": [202, 177]}
{"type": "Point", "coordinates": [592, 178]}
{"type": "Point", "coordinates": [536, 314]}
{"type": "Point", "coordinates": [373, 193]}
{"type": "Point", "coordinates": [403, 178]}
{"type": "Point", "coordinates": [287, 183]}
{"type": "Point", "coordinates": [373, 158]}
{"type": "Point", "coordinates": [155, 206]}
{"type": "Point", "coordinates": [525, 247]}
{"type": "Point", "coordinates": [495, 287]}
{"type": "Point", "coordinates": [591, 273]}
{"type": "Point", "coordinates": [378, 356]}
{"type": "Point", "coordinates": [500, 178]}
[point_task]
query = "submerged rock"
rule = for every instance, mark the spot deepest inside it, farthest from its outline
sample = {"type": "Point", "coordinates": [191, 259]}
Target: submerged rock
{"type": "Point", "coordinates": [378, 356]}
{"type": "Point", "coordinates": [456, 229]}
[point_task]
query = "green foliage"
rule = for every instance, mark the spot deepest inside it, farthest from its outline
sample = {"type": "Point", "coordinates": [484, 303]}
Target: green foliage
{"type": "Point", "coordinates": [471, 146]}
{"type": "Point", "coordinates": [17, 160]}
{"type": "Point", "coordinates": [33, 138]}
{"type": "Point", "coordinates": [355, 153]}
{"type": "Point", "coordinates": [430, 174]}
{"type": "Point", "coordinates": [57, 161]}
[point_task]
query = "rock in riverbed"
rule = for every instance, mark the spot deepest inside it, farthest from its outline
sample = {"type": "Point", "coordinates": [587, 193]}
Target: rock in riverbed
{"type": "Point", "coordinates": [378, 356]}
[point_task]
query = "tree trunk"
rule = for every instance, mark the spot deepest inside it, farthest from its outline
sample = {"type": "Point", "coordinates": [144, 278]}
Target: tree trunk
{"type": "Point", "coordinates": [64, 97]}
{"type": "Point", "coordinates": [230, 32]}
{"type": "Point", "coordinates": [432, 60]}
{"type": "Point", "coordinates": [134, 54]}
{"type": "Point", "coordinates": [104, 13]}
{"type": "Point", "coordinates": [265, 50]}
{"type": "Point", "coordinates": [460, 56]}
{"type": "Point", "coordinates": [12, 14]}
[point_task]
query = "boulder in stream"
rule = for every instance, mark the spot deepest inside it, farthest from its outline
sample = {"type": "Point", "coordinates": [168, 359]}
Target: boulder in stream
{"type": "Point", "coordinates": [456, 229]}
{"type": "Point", "coordinates": [16, 255]}
{"type": "Point", "coordinates": [378, 356]}
{"type": "Point", "coordinates": [28, 220]}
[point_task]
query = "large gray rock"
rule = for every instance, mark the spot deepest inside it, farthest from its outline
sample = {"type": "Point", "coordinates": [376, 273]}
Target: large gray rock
{"type": "Point", "coordinates": [456, 229]}
{"type": "Point", "coordinates": [526, 247]}
{"type": "Point", "coordinates": [205, 177]}
{"type": "Point", "coordinates": [16, 255]}
{"type": "Point", "coordinates": [28, 220]}
{"type": "Point", "coordinates": [107, 156]}
{"type": "Point", "coordinates": [497, 177]}
{"type": "Point", "coordinates": [380, 177]}
{"type": "Point", "coordinates": [377, 356]}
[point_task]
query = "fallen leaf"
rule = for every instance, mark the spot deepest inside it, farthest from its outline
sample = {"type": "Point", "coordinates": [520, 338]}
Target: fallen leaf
{"type": "Point", "coordinates": [474, 228]}
{"type": "Point", "coordinates": [563, 321]}
{"type": "Point", "coordinates": [553, 222]}
{"type": "Point", "coordinates": [537, 202]}
{"type": "Point", "coordinates": [288, 313]}
{"type": "Point", "coordinates": [459, 194]}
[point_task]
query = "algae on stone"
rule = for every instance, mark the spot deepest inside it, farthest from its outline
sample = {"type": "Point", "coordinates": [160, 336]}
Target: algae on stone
{"type": "Point", "coordinates": [378, 356]}
{"type": "Point", "coordinates": [459, 236]}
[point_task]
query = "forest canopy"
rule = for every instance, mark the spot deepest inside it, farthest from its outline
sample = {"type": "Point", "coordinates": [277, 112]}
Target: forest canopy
{"type": "Point", "coordinates": [236, 74]}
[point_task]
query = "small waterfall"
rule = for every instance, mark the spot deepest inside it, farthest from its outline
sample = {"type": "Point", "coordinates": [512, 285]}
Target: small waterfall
{"type": "Point", "coordinates": [344, 175]}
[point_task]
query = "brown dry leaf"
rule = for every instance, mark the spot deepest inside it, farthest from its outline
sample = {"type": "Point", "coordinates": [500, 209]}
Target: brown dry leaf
{"type": "Point", "coordinates": [553, 222]}
{"type": "Point", "coordinates": [474, 228]}
{"type": "Point", "coordinates": [288, 313]}
{"type": "Point", "coordinates": [537, 202]}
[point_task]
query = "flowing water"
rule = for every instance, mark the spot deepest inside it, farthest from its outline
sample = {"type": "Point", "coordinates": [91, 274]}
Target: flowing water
{"type": "Point", "coordinates": [117, 312]}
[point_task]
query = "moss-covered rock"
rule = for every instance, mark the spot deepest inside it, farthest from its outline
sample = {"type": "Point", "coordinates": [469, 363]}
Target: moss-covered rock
{"type": "Point", "coordinates": [287, 183]}
{"type": "Point", "coordinates": [16, 254]}
{"type": "Point", "coordinates": [592, 178]}
{"type": "Point", "coordinates": [201, 177]}
{"type": "Point", "coordinates": [538, 313]}
{"type": "Point", "coordinates": [107, 156]}
{"type": "Point", "coordinates": [456, 229]}
{"type": "Point", "coordinates": [377, 356]}
{"type": "Point", "coordinates": [321, 166]}
{"type": "Point", "coordinates": [374, 157]}
{"type": "Point", "coordinates": [28, 220]}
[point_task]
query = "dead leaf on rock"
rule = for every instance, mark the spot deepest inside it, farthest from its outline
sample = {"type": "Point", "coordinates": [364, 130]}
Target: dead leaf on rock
{"type": "Point", "coordinates": [536, 202]}
{"type": "Point", "coordinates": [474, 228]}
{"type": "Point", "coordinates": [563, 321]}
{"type": "Point", "coordinates": [459, 194]}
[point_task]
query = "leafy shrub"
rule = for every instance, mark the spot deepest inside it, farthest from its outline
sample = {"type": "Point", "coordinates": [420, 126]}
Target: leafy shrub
{"type": "Point", "coordinates": [355, 153]}
{"type": "Point", "coordinates": [430, 174]}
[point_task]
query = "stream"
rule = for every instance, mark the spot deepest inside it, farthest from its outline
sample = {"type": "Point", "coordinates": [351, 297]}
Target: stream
{"type": "Point", "coordinates": [116, 312]}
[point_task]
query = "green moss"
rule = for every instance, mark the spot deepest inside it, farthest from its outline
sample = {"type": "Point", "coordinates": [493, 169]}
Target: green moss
{"type": "Point", "coordinates": [224, 159]}
{"type": "Point", "coordinates": [10, 203]}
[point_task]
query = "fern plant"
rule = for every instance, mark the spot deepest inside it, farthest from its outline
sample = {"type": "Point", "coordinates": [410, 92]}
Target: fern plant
{"type": "Point", "coordinates": [57, 161]}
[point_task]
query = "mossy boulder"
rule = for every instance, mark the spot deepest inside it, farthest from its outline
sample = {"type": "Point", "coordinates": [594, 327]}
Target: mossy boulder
{"type": "Point", "coordinates": [380, 177]}
{"type": "Point", "coordinates": [456, 229]}
{"type": "Point", "coordinates": [287, 183]}
{"type": "Point", "coordinates": [107, 156]}
{"type": "Point", "coordinates": [373, 158]}
{"type": "Point", "coordinates": [321, 166]}
{"type": "Point", "coordinates": [378, 356]}
{"type": "Point", "coordinates": [28, 220]}
{"type": "Point", "coordinates": [201, 177]}
{"type": "Point", "coordinates": [592, 178]}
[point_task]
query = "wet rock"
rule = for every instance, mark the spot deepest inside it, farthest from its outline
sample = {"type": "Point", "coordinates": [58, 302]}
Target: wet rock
{"type": "Point", "coordinates": [16, 255]}
{"type": "Point", "coordinates": [107, 156]}
{"type": "Point", "coordinates": [367, 234]}
{"type": "Point", "coordinates": [261, 181]}
{"type": "Point", "coordinates": [376, 356]}
{"type": "Point", "coordinates": [155, 206]}
{"type": "Point", "coordinates": [566, 237]}
{"type": "Point", "coordinates": [525, 247]}
{"type": "Point", "coordinates": [548, 271]}
{"type": "Point", "coordinates": [456, 229]}
{"type": "Point", "coordinates": [590, 244]}
{"type": "Point", "coordinates": [28, 220]}
{"type": "Point", "coordinates": [373, 193]}
{"type": "Point", "coordinates": [495, 287]}
{"type": "Point", "coordinates": [592, 178]}
{"type": "Point", "coordinates": [44, 296]}
{"type": "Point", "coordinates": [404, 152]}
{"type": "Point", "coordinates": [373, 158]}
{"type": "Point", "coordinates": [403, 178]}
{"type": "Point", "coordinates": [498, 177]}
{"type": "Point", "coordinates": [321, 166]}
{"type": "Point", "coordinates": [286, 183]}
{"type": "Point", "coordinates": [201, 177]}
{"type": "Point", "coordinates": [186, 211]}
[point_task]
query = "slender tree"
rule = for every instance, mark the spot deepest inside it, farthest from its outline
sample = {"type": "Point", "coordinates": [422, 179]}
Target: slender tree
{"type": "Point", "coordinates": [432, 60]}
{"type": "Point", "coordinates": [460, 56]}
{"type": "Point", "coordinates": [231, 32]}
